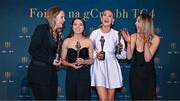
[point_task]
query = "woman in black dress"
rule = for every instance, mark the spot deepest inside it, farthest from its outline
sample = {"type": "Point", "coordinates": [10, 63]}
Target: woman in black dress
{"type": "Point", "coordinates": [77, 56]}
{"type": "Point", "coordinates": [142, 46]}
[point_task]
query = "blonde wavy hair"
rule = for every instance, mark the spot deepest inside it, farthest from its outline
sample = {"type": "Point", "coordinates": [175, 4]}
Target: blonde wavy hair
{"type": "Point", "coordinates": [51, 15]}
{"type": "Point", "coordinates": [147, 25]}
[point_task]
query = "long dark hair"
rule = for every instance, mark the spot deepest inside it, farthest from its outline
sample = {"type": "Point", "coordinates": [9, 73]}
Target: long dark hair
{"type": "Point", "coordinates": [71, 34]}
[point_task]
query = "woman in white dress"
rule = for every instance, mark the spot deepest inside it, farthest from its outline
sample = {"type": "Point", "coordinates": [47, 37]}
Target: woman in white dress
{"type": "Point", "coordinates": [106, 74]}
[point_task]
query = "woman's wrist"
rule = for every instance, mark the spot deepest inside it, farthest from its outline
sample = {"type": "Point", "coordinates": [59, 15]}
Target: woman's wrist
{"type": "Point", "coordinates": [128, 43]}
{"type": "Point", "coordinates": [86, 61]}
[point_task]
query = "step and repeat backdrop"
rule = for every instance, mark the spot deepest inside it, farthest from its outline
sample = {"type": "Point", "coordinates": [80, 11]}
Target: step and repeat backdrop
{"type": "Point", "coordinates": [18, 18]}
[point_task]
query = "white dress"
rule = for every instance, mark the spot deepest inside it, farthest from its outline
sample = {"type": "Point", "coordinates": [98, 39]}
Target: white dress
{"type": "Point", "coordinates": [107, 73]}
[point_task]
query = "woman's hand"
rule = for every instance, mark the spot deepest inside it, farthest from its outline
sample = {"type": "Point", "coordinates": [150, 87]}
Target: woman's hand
{"type": "Point", "coordinates": [126, 36]}
{"type": "Point", "coordinates": [80, 61]}
{"type": "Point", "coordinates": [146, 38]}
{"type": "Point", "coordinates": [57, 62]}
{"type": "Point", "coordinates": [99, 56]}
{"type": "Point", "coordinates": [74, 65]}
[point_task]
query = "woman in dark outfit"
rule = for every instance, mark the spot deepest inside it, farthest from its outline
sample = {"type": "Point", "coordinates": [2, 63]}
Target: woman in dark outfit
{"type": "Point", "coordinates": [142, 45]}
{"type": "Point", "coordinates": [77, 77]}
{"type": "Point", "coordinates": [42, 71]}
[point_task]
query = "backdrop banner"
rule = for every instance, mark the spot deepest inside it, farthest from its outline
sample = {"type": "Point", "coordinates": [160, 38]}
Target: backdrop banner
{"type": "Point", "coordinates": [20, 17]}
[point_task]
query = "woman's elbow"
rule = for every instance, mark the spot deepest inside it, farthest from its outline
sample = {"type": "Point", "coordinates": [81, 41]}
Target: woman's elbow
{"type": "Point", "coordinates": [64, 62]}
{"type": "Point", "coordinates": [128, 57]}
{"type": "Point", "coordinates": [147, 59]}
{"type": "Point", "coordinates": [89, 61]}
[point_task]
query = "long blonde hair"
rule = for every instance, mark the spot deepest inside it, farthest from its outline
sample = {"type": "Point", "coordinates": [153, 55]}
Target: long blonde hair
{"type": "Point", "coordinates": [51, 15]}
{"type": "Point", "coordinates": [147, 25]}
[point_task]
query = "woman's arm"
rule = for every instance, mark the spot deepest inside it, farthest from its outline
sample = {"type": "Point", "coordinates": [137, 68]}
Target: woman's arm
{"type": "Point", "coordinates": [130, 43]}
{"type": "Point", "coordinates": [150, 50]}
{"type": "Point", "coordinates": [91, 50]}
{"type": "Point", "coordinates": [64, 54]}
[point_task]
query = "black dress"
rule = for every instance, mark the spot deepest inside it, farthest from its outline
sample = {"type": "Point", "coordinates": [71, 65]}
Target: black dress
{"type": "Point", "coordinates": [142, 78]}
{"type": "Point", "coordinates": [78, 80]}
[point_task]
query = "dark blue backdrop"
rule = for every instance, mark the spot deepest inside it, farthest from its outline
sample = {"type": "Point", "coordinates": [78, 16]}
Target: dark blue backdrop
{"type": "Point", "coordinates": [18, 19]}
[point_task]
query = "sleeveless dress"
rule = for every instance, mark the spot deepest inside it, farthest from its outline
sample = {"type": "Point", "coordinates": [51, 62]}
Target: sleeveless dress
{"type": "Point", "coordinates": [78, 80]}
{"type": "Point", "coordinates": [142, 78]}
{"type": "Point", "coordinates": [106, 73]}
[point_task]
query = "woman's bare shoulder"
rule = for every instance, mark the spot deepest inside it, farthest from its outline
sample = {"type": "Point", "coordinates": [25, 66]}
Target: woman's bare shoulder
{"type": "Point", "coordinates": [133, 36]}
{"type": "Point", "coordinates": [156, 39]}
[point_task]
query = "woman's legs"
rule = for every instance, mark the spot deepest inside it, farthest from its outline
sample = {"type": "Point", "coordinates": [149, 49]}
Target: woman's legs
{"type": "Point", "coordinates": [105, 94]}
{"type": "Point", "coordinates": [111, 94]}
{"type": "Point", "coordinates": [102, 93]}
